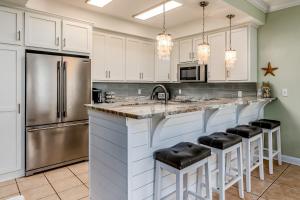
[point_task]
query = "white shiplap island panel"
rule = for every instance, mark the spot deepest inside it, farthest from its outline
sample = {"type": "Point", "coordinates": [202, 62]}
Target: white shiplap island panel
{"type": "Point", "coordinates": [121, 148]}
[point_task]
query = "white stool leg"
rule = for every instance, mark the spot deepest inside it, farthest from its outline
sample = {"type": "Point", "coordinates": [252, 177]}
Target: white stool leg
{"type": "Point", "coordinates": [270, 149]}
{"type": "Point", "coordinates": [179, 186]}
{"type": "Point", "coordinates": [261, 157]}
{"type": "Point", "coordinates": [240, 171]}
{"type": "Point", "coordinates": [248, 165]}
{"type": "Point", "coordinates": [186, 186]}
{"type": "Point", "coordinates": [221, 175]}
{"type": "Point", "coordinates": [157, 184]}
{"type": "Point", "coordinates": [199, 181]}
{"type": "Point", "coordinates": [279, 146]}
{"type": "Point", "coordinates": [208, 181]}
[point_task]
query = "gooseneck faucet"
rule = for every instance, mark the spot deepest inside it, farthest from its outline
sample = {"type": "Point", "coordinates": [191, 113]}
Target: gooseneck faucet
{"type": "Point", "coordinates": [164, 89]}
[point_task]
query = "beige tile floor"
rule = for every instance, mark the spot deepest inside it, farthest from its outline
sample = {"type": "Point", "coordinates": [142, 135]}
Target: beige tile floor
{"type": "Point", "coordinates": [71, 183]}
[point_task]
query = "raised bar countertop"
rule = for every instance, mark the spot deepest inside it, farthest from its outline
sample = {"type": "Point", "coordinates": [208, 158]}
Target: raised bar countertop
{"type": "Point", "coordinates": [142, 109]}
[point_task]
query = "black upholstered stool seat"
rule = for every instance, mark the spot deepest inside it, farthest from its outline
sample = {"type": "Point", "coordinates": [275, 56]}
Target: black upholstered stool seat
{"type": "Point", "coordinates": [220, 140]}
{"type": "Point", "coordinates": [266, 123]}
{"type": "Point", "coordinates": [245, 131]}
{"type": "Point", "coordinates": [182, 155]}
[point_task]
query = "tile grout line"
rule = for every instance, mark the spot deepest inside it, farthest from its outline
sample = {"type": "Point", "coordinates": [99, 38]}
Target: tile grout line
{"type": "Point", "coordinates": [274, 182]}
{"type": "Point", "coordinates": [78, 178]}
{"type": "Point", "coordinates": [18, 186]}
{"type": "Point", "coordinates": [51, 186]}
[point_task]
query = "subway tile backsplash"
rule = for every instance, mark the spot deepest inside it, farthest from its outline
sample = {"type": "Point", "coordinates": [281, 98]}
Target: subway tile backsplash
{"type": "Point", "coordinates": [199, 90]}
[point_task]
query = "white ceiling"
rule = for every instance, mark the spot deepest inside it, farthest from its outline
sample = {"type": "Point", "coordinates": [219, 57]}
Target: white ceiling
{"type": "Point", "coordinates": [190, 11]}
{"type": "Point", "coordinates": [273, 5]}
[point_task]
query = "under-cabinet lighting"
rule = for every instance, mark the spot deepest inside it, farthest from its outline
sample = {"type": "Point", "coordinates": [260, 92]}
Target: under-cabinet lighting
{"type": "Point", "coordinates": [157, 10]}
{"type": "Point", "coordinates": [99, 3]}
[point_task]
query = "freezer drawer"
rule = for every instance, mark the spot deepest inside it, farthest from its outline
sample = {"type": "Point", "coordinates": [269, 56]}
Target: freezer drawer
{"type": "Point", "coordinates": [54, 145]}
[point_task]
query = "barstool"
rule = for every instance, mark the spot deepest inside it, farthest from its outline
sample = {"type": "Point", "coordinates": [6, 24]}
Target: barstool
{"type": "Point", "coordinates": [250, 134]}
{"type": "Point", "coordinates": [180, 160]}
{"type": "Point", "coordinates": [222, 144]}
{"type": "Point", "coordinates": [269, 127]}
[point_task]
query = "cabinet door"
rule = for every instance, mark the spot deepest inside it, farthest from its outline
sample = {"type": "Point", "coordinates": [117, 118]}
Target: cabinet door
{"type": "Point", "coordinates": [147, 64]}
{"type": "Point", "coordinates": [77, 37]}
{"type": "Point", "coordinates": [133, 60]}
{"type": "Point", "coordinates": [216, 64]}
{"type": "Point", "coordinates": [174, 62]}
{"type": "Point", "coordinates": [10, 118]}
{"type": "Point", "coordinates": [239, 43]}
{"type": "Point", "coordinates": [99, 70]}
{"type": "Point", "coordinates": [115, 57]}
{"type": "Point", "coordinates": [11, 22]}
{"type": "Point", "coordinates": [42, 31]}
{"type": "Point", "coordinates": [186, 50]}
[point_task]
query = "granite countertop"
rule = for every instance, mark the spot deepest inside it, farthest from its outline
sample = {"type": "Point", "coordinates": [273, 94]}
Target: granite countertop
{"type": "Point", "coordinates": [142, 109]}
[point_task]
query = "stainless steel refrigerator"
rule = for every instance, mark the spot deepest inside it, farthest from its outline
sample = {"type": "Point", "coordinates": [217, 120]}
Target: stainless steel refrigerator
{"type": "Point", "coordinates": [57, 87]}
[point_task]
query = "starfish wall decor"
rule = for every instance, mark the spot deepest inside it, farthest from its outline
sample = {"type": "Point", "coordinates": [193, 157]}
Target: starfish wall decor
{"type": "Point", "coordinates": [269, 69]}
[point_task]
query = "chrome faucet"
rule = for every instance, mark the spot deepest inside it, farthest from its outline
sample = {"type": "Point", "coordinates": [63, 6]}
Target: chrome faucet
{"type": "Point", "coordinates": [165, 91]}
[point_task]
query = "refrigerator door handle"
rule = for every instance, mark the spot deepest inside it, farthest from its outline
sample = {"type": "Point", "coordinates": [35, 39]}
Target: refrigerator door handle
{"type": "Point", "coordinates": [64, 89]}
{"type": "Point", "coordinates": [58, 89]}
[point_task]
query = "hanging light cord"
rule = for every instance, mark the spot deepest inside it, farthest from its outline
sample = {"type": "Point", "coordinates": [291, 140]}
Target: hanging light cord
{"type": "Point", "coordinates": [164, 24]}
{"type": "Point", "coordinates": [230, 32]}
{"type": "Point", "coordinates": [203, 35]}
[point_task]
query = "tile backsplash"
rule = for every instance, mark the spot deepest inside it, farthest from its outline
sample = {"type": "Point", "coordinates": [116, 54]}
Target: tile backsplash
{"type": "Point", "coordinates": [199, 90]}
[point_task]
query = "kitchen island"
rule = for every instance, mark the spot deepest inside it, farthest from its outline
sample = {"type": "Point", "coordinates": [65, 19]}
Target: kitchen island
{"type": "Point", "coordinates": [124, 135]}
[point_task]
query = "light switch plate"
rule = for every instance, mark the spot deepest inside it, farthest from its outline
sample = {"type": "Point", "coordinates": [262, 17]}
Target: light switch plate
{"type": "Point", "coordinates": [179, 91]}
{"type": "Point", "coordinates": [285, 92]}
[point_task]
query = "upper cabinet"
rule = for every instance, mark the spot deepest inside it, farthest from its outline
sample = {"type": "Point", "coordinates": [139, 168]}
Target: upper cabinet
{"type": "Point", "coordinates": [108, 63]}
{"type": "Point", "coordinates": [11, 21]}
{"type": "Point", "coordinates": [186, 50]}
{"type": "Point", "coordinates": [42, 31]}
{"type": "Point", "coordinates": [47, 32]}
{"type": "Point", "coordinates": [163, 69]}
{"type": "Point", "coordinates": [147, 61]}
{"type": "Point", "coordinates": [174, 62]}
{"type": "Point", "coordinates": [244, 41]}
{"type": "Point", "coordinates": [216, 64]}
{"type": "Point", "coordinates": [76, 37]}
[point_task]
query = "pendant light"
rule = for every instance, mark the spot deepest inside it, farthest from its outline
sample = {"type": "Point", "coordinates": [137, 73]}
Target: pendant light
{"type": "Point", "coordinates": [203, 51]}
{"type": "Point", "coordinates": [230, 54]}
{"type": "Point", "coordinates": [164, 40]}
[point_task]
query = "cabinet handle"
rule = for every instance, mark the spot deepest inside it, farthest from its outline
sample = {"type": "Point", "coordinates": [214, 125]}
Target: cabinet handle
{"type": "Point", "coordinates": [168, 76]}
{"type": "Point", "coordinates": [65, 41]}
{"type": "Point", "coordinates": [19, 36]}
{"type": "Point", "coordinates": [140, 74]}
{"type": "Point", "coordinates": [57, 41]}
{"type": "Point", "coordinates": [228, 73]}
{"type": "Point", "coordinates": [109, 74]}
{"type": "Point", "coordinates": [19, 108]}
{"type": "Point", "coordinates": [105, 73]}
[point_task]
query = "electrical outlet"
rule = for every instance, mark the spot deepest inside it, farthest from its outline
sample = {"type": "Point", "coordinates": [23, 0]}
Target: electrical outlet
{"type": "Point", "coordinates": [179, 91]}
{"type": "Point", "coordinates": [139, 91]}
{"type": "Point", "coordinates": [240, 94]}
{"type": "Point", "coordinates": [284, 92]}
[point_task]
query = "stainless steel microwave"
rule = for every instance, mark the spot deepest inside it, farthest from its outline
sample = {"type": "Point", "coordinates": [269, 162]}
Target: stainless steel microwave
{"type": "Point", "coordinates": [192, 72]}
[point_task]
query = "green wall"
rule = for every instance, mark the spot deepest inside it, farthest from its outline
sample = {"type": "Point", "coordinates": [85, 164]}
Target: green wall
{"type": "Point", "coordinates": [279, 43]}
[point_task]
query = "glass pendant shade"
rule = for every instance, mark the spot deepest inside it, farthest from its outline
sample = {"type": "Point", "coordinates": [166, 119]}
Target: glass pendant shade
{"type": "Point", "coordinates": [164, 46]}
{"type": "Point", "coordinates": [203, 53]}
{"type": "Point", "coordinates": [230, 58]}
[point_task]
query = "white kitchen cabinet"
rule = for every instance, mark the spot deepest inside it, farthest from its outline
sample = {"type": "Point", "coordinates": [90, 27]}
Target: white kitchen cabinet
{"type": "Point", "coordinates": [11, 21]}
{"type": "Point", "coordinates": [216, 63]}
{"type": "Point", "coordinates": [77, 37]}
{"type": "Point", "coordinates": [147, 64]}
{"type": "Point", "coordinates": [186, 50]}
{"type": "Point", "coordinates": [239, 43]}
{"type": "Point", "coordinates": [108, 57]}
{"type": "Point", "coordinates": [99, 70]}
{"type": "Point", "coordinates": [42, 31]}
{"type": "Point", "coordinates": [10, 118]}
{"type": "Point", "coordinates": [115, 57]}
{"type": "Point", "coordinates": [175, 62]}
{"type": "Point", "coordinates": [163, 70]}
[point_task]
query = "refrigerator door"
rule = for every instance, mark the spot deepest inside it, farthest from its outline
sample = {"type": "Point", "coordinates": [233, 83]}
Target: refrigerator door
{"type": "Point", "coordinates": [56, 145]}
{"type": "Point", "coordinates": [42, 89]}
{"type": "Point", "coordinates": [76, 88]}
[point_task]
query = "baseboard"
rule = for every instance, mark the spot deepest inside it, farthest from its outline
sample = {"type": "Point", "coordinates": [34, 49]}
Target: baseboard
{"type": "Point", "coordinates": [291, 160]}
{"type": "Point", "coordinates": [12, 175]}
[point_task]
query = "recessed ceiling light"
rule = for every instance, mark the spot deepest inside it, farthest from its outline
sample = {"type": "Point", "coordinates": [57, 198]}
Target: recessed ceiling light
{"type": "Point", "coordinates": [99, 3]}
{"type": "Point", "coordinates": [170, 5]}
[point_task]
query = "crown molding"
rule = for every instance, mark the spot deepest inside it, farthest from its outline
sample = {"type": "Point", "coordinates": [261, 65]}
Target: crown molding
{"type": "Point", "coordinates": [260, 4]}
{"type": "Point", "coordinates": [281, 6]}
